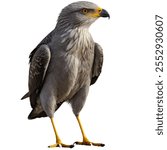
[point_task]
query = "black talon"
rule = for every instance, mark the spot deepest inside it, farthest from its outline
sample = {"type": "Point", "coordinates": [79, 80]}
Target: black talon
{"type": "Point", "coordinates": [75, 143]}
{"type": "Point", "coordinates": [71, 146]}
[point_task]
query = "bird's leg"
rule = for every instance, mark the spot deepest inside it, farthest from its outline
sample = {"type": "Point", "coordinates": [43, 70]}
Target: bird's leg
{"type": "Point", "coordinates": [58, 140]}
{"type": "Point", "coordinates": [85, 139]}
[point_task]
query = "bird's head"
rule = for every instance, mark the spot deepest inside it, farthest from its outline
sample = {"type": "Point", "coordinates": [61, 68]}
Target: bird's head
{"type": "Point", "coordinates": [81, 13]}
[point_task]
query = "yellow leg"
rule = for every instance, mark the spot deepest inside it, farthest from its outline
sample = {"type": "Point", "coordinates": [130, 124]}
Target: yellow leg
{"type": "Point", "coordinates": [85, 139]}
{"type": "Point", "coordinates": [58, 140]}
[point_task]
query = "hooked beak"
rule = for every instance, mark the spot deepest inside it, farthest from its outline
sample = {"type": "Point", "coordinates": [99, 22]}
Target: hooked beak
{"type": "Point", "coordinates": [104, 13]}
{"type": "Point", "coordinates": [99, 12]}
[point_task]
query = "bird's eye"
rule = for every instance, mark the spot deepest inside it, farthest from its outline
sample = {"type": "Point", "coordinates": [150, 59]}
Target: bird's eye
{"type": "Point", "coordinates": [84, 11]}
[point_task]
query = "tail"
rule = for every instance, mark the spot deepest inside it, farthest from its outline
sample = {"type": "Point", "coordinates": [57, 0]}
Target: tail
{"type": "Point", "coordinates": [36, 114]}
{"type": "Point", "coordinates": [38, 111]}
{"type": "Point", "coordinates": [25, 96]}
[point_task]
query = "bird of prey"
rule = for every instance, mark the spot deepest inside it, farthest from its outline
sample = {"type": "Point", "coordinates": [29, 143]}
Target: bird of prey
{"type": "Point", "coordinates": [64, 65]}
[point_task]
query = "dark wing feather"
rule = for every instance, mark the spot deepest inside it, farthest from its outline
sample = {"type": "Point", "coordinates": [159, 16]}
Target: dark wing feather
{"type": "Point", "coordinates": [97, 64]}
{"type": "Point", "coordinates": [46, 40]}
{"type": "Point", "coordinates": [38, 67]}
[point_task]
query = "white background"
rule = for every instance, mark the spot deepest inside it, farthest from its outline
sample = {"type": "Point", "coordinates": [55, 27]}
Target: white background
{"type": "Point", "coordinates": [121, 107]}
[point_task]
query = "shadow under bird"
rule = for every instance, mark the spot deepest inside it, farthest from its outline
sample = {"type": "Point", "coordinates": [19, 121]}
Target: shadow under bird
{"type": "Point", "coordinates": [64, 65]}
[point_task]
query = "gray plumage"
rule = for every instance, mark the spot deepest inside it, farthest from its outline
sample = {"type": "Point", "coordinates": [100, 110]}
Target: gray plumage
{"type": "Point", "coordinates": [65, 63]}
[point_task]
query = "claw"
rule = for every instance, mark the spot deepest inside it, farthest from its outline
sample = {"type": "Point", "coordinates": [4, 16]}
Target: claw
{"type": "Point", "coordinates": [98, 144]}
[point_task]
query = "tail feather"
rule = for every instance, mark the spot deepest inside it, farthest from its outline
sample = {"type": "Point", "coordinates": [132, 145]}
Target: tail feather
{"type": "Point", "coordinates": [38, 112]}
{"type": "Point", "coordinates": [34, 114]}
{"type": "Point", "coordinates": [25, 96]}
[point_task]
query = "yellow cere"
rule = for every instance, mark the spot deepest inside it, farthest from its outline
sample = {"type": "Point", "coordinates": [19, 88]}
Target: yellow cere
{"type": "Point", "coordinates": [95, 13]}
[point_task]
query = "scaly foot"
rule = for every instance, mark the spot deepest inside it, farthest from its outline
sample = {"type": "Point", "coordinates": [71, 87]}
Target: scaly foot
{"type": "Point", "coordinates": [88, 143]}
{"type": "Point", "coordinates": [61, 145]}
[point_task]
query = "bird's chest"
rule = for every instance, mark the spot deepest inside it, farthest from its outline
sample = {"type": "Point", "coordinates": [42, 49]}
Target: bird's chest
{"type": "Point", "coordinates": [80, 54]}
{"type": "Point", "coordinates": [78, 73]}
{"type": "Point", "coordinates": [79, 68]}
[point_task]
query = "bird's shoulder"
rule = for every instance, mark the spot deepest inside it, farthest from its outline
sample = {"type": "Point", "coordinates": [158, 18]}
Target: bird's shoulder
{"type": "Point", "coordinates": [45, 41]}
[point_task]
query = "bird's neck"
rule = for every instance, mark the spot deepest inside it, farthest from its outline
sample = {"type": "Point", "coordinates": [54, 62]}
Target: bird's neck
{"type": "Point", "coordinates": [78, 38]}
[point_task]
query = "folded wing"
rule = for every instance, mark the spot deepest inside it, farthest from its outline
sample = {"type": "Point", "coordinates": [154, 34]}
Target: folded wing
{"type": "Point", "coordinates": [97, 64]}
{"type": "Point", "coordinates": [38, 68]}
